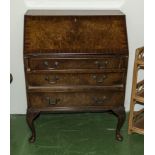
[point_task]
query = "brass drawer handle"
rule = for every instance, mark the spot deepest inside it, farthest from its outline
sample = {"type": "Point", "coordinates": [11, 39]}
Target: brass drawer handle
{"type": "Point", "coordinates": [46, 63]}
{"type": "Point", "coordinates": [53, 80]}
{"type": "Point", "coordinates": [102, 64]}
{"type": "Point", "coordinates": [99, 100]}
{"type": "Point", "coordinates": [52, 101]}
{"type": "Point", "coordinates": [99, 79]}
{"type": "Point", "coordinates": [55, 65]}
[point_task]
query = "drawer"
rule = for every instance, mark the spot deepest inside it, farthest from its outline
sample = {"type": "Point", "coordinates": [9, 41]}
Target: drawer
{"type": "Point", "coordinates": [73, 63]}
{"type": "Point", "coordinates": [53, 79]}
{"type": "Point", "coordinates": [75, 99]}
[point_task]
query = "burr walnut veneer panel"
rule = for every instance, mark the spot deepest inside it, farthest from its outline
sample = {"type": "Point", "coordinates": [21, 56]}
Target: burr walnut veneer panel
{"type": "Point", "coordinates": [75, 34]}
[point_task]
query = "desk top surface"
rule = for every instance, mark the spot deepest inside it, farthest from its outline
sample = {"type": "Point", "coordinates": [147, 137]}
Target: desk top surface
{"type": "Point", "coordinates": [73, 13]}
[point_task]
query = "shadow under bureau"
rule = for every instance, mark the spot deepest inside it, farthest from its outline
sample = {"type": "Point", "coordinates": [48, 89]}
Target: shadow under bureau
{"type": "Point", "coordinates": [75, 61]}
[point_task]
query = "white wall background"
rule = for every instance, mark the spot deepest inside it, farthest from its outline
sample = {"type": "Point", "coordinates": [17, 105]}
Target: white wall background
{"type": "Point", "coordinates": [134, 14]}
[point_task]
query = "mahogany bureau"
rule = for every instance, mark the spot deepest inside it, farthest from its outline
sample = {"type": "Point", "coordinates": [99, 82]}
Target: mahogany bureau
{"type": "Point", "coordinates": [75, 61]}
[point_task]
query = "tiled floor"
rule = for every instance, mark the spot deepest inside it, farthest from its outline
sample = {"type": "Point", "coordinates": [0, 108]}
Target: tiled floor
{"type": "Point", "coordinates": [73, 134]}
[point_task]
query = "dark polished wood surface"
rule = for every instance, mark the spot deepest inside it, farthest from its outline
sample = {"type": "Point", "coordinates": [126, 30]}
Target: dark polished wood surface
{"type": "Point", "coordinates": [75, 62]}
{"type": "Point", "coordinates": [72, 34]}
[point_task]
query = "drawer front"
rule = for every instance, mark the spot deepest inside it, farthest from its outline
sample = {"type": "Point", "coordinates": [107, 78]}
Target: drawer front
{"type": "Point", "coordinates": [56, 64]}
{"type": "Point", "coordinates": [52, 79]}
{"type": "Point", "coordinates": [75, 99]}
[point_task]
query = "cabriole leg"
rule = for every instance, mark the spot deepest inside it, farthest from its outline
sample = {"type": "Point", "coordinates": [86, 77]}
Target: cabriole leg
{"type": "Point", "coordinates": [30, 117]}
{"type": "Point", "coordinates": [120, 113]}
